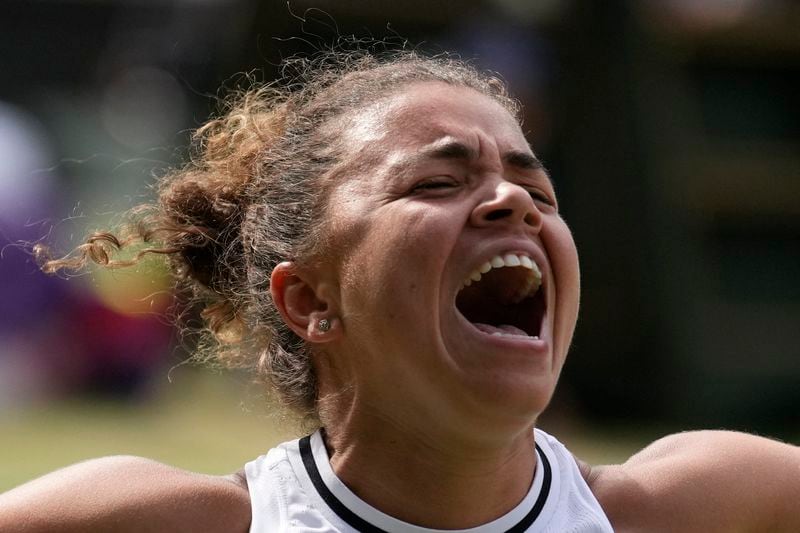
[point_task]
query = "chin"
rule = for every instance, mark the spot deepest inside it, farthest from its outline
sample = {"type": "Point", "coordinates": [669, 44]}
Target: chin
{"type": "Point", "coordinates": [508, 405]}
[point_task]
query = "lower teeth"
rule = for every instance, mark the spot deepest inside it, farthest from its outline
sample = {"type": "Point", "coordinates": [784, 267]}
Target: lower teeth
{"type": "Point", "coordinates": [501, 334]}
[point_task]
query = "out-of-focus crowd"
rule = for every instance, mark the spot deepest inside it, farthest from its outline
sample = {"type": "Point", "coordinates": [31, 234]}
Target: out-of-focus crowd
{"type": "Point", "coordinates": [62, 335]}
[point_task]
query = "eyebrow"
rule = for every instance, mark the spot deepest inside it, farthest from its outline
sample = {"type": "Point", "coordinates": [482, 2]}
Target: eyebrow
{"type": "Point", "coordinates": [451, 150]}
{"type": "Point", "coordinates": [523, 160]}
{"type": "Point", "coordinates": [459, 150]}
{"type": "Point", "coordinates": [456, 150]}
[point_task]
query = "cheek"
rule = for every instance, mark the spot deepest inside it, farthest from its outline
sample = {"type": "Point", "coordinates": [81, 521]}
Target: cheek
{"type": "Point", "coordinates": [391, 256]}
{"type": "Point", "coordinates": [564, 263]}
{"type": "Point", "coordinates": [564, 258]}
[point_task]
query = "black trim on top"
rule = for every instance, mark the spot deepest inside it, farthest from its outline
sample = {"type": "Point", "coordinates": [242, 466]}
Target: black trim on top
{"type": "Point", "coordinates": [538, 505]}
{"type": "Point", "coordinates": [362, 525]}
{"type": "Point", "coordinates": [333, 502]}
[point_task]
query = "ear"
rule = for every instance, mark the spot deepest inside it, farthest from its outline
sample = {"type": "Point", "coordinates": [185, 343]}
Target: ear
{"type": "Point", "coordinates": [302, 304]}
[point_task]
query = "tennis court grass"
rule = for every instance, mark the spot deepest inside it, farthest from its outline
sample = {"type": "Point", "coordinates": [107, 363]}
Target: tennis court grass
{"type": "Point", "coordinates": [201, 421]}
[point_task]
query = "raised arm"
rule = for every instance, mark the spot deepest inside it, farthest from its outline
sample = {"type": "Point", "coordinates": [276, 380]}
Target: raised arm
{"type": "Point", "coordinates": [123, 494]}
{"type": "Point", "coordinates": [704, 481]}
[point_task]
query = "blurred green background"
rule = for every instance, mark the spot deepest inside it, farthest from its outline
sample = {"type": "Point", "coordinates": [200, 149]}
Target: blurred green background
{"type": "Point", "coordinates": [671, 127]}
{"type": "Point", "coordinates": [201, 422]}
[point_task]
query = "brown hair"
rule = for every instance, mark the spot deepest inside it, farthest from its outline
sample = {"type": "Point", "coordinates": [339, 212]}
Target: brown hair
{"type": "Point", "coordinates": [253, 194]}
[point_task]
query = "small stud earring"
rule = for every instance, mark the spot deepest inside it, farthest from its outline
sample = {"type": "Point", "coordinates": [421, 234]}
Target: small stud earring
{"type": "Point", "coordinates": [324, 325]}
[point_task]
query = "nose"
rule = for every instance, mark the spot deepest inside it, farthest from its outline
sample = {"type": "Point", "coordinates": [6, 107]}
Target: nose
{"type": "Point", "coordinates": [507, 203]}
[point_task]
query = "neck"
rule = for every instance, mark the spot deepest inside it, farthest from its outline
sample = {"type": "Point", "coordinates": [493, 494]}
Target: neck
{"type": "Point", "coordinates": [435, 481]}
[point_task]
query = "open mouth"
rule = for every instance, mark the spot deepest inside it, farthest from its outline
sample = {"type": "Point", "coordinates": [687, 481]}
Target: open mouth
{"type": "Point", "coordinates": [503, 297]}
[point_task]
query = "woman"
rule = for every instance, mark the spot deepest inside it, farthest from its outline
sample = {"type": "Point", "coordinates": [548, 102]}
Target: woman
{"type": "Point", "coordinates": [382, 246]}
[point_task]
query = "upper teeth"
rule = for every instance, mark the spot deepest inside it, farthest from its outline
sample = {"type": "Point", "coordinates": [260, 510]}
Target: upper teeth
{"type": "Point", "coordinates": [509, 260]}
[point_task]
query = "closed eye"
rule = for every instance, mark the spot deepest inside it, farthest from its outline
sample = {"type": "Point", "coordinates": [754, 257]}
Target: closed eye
{"type": "Point", "coordinates": [434, 184]}
{"type": "Point", "coordinates": [542, 197]}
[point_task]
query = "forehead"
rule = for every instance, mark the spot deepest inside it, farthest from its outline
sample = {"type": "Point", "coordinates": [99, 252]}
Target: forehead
{"type": "Point", "coordinates": [427, 114]}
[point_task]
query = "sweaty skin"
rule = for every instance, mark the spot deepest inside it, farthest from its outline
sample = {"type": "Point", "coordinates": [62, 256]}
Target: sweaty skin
{"type": "Point", "coordinates": [703, 481]}
{"type": "Point", "coordinates": [126, 494]}
{"type": "Point", "coordinates": [439, 180]}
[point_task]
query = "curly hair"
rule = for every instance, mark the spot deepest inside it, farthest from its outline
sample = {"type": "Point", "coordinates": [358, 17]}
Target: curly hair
{"type": "Point", "coordinates": [254, 193]}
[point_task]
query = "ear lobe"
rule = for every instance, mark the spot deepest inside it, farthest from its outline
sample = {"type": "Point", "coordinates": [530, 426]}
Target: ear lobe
{"type": "Point", "coordinates": [300, 305]}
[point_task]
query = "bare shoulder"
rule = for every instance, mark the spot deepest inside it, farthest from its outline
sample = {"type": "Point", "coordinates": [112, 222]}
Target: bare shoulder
{"type": "Point", "coordinates": [703, 481]}
{"type": "Point", "coordinates": [126, 493]}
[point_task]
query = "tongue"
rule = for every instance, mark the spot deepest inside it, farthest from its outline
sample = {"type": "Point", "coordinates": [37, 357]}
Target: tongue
{"type": "Point", "coordinates": [502, 328]}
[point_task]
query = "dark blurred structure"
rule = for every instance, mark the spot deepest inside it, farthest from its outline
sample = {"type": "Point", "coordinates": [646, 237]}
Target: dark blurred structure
{"type": "Point", "coordinates": [672, 129]}
{"type": "Point", "coordinates": [682, 150]}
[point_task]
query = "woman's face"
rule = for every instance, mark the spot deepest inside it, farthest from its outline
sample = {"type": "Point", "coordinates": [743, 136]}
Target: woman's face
{"type": "Point", "coordinates": [440, 184]}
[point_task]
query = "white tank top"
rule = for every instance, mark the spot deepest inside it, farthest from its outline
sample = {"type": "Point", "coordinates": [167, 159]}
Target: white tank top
{"type": "Point", "coordinates": [294, 489]}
